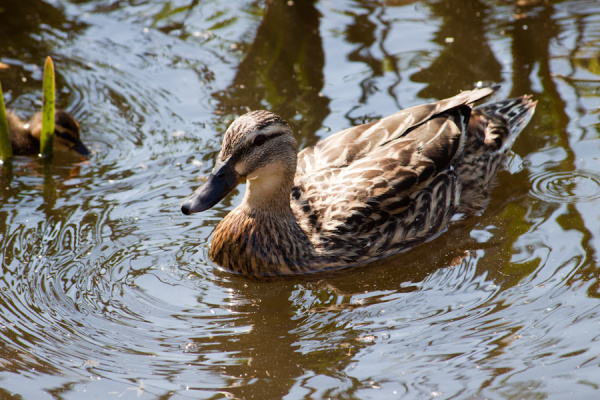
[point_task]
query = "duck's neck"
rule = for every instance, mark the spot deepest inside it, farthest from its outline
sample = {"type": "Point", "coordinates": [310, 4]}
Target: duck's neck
{"type": "Point", "coordinates": [269, 194]}
{"type": "Point", "coordinates": [262, 237]}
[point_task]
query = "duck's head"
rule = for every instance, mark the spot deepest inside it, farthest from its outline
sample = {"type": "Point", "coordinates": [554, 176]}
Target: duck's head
{"type": "Point", "coordinates": [258, 146]}
{"type": "Point", "coordinates": [66, 132]}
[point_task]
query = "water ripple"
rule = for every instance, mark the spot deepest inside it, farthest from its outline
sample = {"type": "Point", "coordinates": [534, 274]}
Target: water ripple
{"type": "Point", "coordinates": [578, 186]}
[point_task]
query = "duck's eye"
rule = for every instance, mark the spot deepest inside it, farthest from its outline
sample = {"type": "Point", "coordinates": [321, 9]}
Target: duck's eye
{"type": "Point", "coordinates": [260, 139]}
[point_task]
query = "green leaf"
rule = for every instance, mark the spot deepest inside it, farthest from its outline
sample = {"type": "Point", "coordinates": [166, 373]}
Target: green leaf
{"type": "Point", "coordinates": [48, 110]}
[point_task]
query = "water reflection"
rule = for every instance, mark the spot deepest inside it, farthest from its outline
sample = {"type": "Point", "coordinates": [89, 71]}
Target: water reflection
{"type": "Point", "coordinates": [364, 33]}
{"type": "Point", "coordinates": [465, 55]}
{"type": "Point", "coordinates": [29, 32]}
{"type": "Point", "coordinates": [282, 69]}
{"type": "Point", "coordinates": [286, 329]}
{"type": "Point", "coordinates": [106, 288]}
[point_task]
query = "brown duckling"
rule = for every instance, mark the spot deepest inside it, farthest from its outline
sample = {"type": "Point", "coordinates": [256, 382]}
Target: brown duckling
{"type": "Point", "coordinates": [25, 137]}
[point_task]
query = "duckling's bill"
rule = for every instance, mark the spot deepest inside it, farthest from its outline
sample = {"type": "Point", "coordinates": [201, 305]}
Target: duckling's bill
{"type": "Point", "coordinates": [222, 180]}
{"type": "Point", "coordinates": [80, 148]}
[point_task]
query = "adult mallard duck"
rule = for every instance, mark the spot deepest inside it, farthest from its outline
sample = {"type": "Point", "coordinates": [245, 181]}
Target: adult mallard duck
{"type": "Point", "coordinates": [25, 137]}
{"type": "Point", "coordinates": [362, 194]}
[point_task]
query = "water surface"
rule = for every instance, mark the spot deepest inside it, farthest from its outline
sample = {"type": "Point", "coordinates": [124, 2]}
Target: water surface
{"type": "Point", "coordinates": [107, 290]}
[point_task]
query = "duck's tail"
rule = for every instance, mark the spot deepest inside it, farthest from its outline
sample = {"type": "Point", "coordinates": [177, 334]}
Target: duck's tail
{"type": "Point", "coordinates": [491, 133]}
{"type": "Point", "coordinates": [504, 120]}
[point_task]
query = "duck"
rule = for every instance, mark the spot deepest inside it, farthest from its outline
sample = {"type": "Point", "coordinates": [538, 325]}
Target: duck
{"type": "Point", "coordinates": [360, 195]}
{"type": "Point", "coordinates": [25, 136]}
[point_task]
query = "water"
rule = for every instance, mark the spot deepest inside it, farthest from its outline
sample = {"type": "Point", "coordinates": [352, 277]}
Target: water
{"type": "Point", "coordinates": [107, 290]}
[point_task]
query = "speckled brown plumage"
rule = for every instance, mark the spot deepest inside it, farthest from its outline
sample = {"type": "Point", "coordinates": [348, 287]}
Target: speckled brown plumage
{"type": "Point", "coordinates": [362, 194]}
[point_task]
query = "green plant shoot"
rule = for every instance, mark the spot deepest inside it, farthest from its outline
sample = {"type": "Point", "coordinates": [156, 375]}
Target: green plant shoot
{"type": "Point", "coordinates": [48, 110]}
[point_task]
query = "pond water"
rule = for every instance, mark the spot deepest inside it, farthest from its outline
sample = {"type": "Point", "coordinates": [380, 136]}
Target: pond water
{"type": "Point", "coordinates": [107, 290]}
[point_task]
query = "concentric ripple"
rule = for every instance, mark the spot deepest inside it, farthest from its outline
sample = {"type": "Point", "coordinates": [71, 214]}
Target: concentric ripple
{"type": "Point", "coordinates": [566, 187]}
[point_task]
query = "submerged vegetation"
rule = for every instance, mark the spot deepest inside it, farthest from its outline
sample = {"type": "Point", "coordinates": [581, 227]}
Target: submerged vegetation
{"type": "Point", "coordinates": [5, 146]}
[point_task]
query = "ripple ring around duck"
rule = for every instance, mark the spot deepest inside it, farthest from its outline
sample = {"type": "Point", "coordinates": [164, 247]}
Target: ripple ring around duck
{"type": "Point", "coordinates": [568, 187]}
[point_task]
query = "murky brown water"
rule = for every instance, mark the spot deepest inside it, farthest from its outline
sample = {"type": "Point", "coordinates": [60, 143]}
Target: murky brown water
{"type": "Point", "coordinates": [107, 291]}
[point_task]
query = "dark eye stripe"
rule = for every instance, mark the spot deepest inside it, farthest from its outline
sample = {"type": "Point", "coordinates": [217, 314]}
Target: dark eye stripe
{"type": "Point", "coordinates": [64, 135]}
{"type": "Point", "coordinates": [266, 137]}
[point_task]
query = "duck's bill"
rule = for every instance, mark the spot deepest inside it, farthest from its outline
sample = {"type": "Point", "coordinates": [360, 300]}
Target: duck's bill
{"type": "Point", "coordinates": [221, 181]}
{"type": "Point", "coordinates": [81, 149]}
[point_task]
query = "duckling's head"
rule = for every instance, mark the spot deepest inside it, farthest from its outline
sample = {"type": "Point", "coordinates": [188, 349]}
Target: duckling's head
{"type": "Point", "coordinates": [258, 146]}
{"type": "Point", "coordinates": [66, 132]}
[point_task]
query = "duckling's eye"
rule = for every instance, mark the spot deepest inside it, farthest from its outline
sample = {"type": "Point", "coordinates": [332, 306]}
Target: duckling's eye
{"type": "Point", "coordinates": [260, 139]}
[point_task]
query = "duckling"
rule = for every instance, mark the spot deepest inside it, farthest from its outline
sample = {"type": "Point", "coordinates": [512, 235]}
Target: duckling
{"type": "Point", "coordinates": [25, 137]}
{"type": "Point", "coordinates": [362, 194]}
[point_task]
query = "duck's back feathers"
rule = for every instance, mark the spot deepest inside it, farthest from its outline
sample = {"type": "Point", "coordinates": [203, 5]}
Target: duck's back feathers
{"type": "Point", "coordinates": [23, 143]}
{"type": "Point", "coordinates": [375, 189]}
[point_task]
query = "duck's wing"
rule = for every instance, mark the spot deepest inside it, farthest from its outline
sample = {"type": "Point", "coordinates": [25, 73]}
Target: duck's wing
{"type": "Point", "coordinates": [386, 178]}
{"type": "Point", "coordinates": [353, 144]}
{"type": "Point", "coordinates": [359, 195]}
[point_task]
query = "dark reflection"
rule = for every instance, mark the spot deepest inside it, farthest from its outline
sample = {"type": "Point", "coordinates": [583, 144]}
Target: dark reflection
{"type": "Point", "coordinates": [465, 56]}
{"type": "Point", "coordinates": [272, 324]}
{"type": "Point", "coordinates": [532, 33]}
{"type": "Point", "coordinates": [50, 194]}
{"type": "Point", "coordinates": [178, 26]}
{"type": "Point", "coordinates": [282, 70]}
{"type": "Point", "coordinates": [53, 179]}
{"type": "Point", "coordinates": [5, 394]}
{"type": "Point", "coordinates": [589, 270]}
{"type": "Point", "coordinates": [6, 177]}
{"type": "Point", "coordinates": [28, 30]}
{"type": "Point", "coordinates": [272, 360]}
{"type": "Point", "coordinates": [364, 33]}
